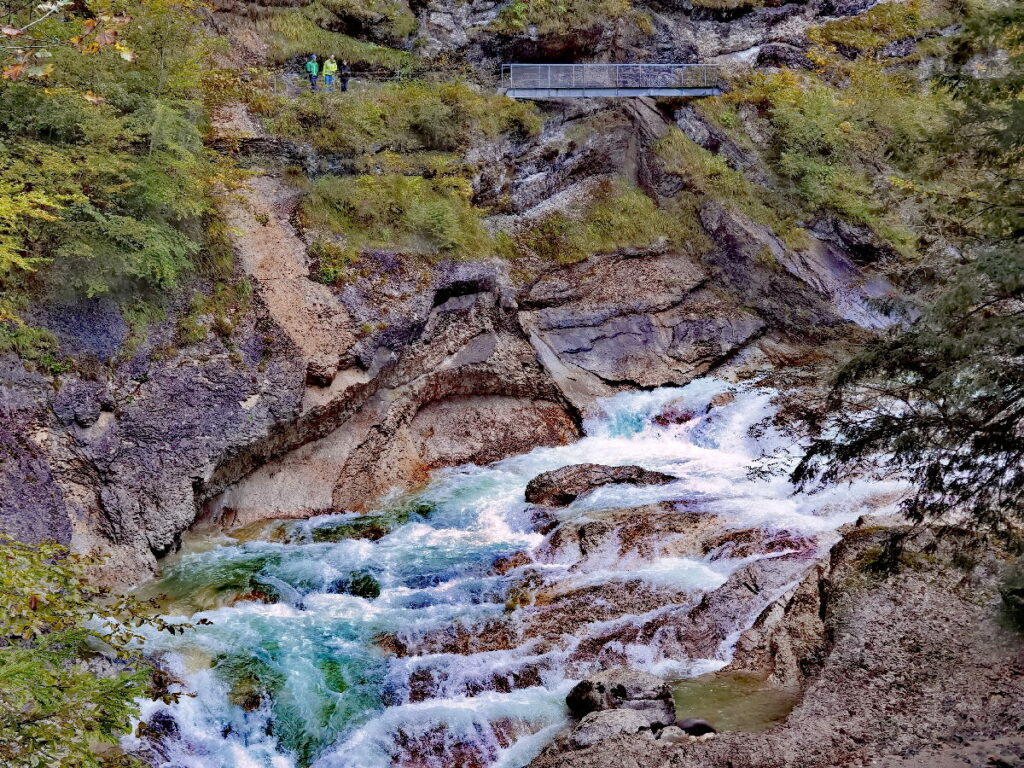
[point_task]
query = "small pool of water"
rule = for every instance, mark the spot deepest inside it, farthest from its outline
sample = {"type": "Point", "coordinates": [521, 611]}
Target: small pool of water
{"type": "Point", "coordinates": [733, 701]}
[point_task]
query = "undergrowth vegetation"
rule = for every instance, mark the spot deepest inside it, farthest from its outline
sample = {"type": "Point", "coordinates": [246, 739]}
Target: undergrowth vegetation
{"type": "Point", "coordinates": [402, 117]}
{"type": "Point", "coordinates": [845, 137]}
{"type": "Point", "coordinates": [558, 16]}
{"type": "Point", "coordinates": [298, 32]}
{"type": "Point", "coordinates": [708, 175]}
{"type": "Point", "coordinates": [394, 212]}
{"type": "Point", "coordinates": [106, 185]}
{"type": "Point", "coordinates": [435, 218]}
{"type": "Point", "coordinates": [616, 216]}
{"type": "Point", "coordinates": [388, 19]}
{"type": "Point", "coordinates": [940, 401]}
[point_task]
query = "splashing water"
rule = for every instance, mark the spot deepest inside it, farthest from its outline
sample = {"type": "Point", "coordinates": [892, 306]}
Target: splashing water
{"type": "Point", "coordinates": [355, 642]}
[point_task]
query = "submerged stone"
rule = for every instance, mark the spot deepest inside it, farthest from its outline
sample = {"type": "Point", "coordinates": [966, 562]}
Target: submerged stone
{"type": "Point", "coordinates": [358, 583]}
{"type": "Point", "coordinates": [371, 527]}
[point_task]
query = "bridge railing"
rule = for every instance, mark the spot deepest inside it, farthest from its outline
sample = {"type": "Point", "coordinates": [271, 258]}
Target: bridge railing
{"type": "Point", "coordinates": [572, 76]}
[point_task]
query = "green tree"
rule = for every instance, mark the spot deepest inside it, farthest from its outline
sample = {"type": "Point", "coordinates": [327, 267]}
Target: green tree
{"type": "Point", "coordinates": [71, 672]}
{"type": "Point", "coordinates": [105, 183]}
{"type": "Point", "coordinates": [941, 401]}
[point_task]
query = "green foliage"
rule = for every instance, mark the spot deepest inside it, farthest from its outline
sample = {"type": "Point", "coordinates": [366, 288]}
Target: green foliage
{"type": "Point", "coordinates": [708, 175]}
{"type": "Point", "coordinates": [333, 262]}
{"type": "Point", "coordinates": [830, 138]}
{"type": "Point", "coordinates": [616, 216]}
{"type": "Point", "coordinates": [402, 117]}
{"type": "Point", "coordinates": [294, 32]}
{"type": "Point", "coordinates": [941, 402]}
{"type": "Point", "coordinates": [36, 346]}
{"type": "Point", "coordinates": [409, 214]}
{"type": "Point", "coordinates": [105, 184]}
{"type": "Point", "coordinates": [388, 18]}
{"type": "Point", "coordinates": [559, 16]}
{"type": "Point", "coordinates": [987, 109]}
{"type": "Point", "coordinates": [54, 709]}
{"type": "Point", "coordinates": [219, 311]}
{"type": "Point", "coordinates": [870, 32]}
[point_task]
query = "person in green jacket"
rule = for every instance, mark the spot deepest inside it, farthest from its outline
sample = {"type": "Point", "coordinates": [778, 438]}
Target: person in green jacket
{"type": "Point", "coordinates": [313, 70]}
{"type": "Point", "coordinates": [330, 70]}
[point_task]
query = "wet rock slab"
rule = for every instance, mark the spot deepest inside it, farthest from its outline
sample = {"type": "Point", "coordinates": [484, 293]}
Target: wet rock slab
{"type": "Point", "coordinates": [626, 689]}
{"type": "Point", "coordinates": [561, 487]}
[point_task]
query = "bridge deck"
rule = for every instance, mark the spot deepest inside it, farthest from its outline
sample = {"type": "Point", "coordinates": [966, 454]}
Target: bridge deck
{"type": "Point", "coordinates": [573, 81]}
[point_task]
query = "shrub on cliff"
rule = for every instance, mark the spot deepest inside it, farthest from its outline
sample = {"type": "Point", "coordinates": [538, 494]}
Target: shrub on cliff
{"type": "Point", "coordinates": [392, 212]}
{"type": "Point", "coordinates": [615, 215]}
{"type": "Point", "coordinates": [852, 133]}
{"type": "Point", "coordinates": [70, 670]}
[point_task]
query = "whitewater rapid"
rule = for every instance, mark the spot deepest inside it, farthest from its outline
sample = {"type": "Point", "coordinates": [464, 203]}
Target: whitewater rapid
{"type": "Point", "coordinates": [299, 667]}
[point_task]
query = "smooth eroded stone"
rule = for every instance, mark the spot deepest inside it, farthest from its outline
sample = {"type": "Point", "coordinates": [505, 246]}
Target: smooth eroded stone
{"type": "Point", "coordinates": [561, 487]}
{"type": "Point", "coordinates": [624, 688]}
{"type": "Point", "coordinates": [598, 726]}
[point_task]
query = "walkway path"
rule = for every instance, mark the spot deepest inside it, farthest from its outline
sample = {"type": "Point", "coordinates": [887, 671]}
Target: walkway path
{"type": "Point", "coordinates": [571, 81]}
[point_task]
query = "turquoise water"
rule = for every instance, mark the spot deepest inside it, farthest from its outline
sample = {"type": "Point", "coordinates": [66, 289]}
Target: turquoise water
{"type": "Point", "coordinates": [332, 641]}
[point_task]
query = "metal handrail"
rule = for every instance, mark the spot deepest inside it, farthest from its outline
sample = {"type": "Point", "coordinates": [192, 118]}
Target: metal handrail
{"type": "Point", "coordinates": [617, 76]}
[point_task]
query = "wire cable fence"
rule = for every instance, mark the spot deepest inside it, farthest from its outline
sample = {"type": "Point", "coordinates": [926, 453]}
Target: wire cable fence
{"type": "Point", "coordinates": [608, 76]}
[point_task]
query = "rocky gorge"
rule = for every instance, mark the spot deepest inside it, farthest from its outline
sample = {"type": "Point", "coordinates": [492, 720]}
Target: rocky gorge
{"type": "Point", "coordinates": [493, 504]}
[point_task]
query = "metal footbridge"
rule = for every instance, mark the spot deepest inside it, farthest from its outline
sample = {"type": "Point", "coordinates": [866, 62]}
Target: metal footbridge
{"type": "Point", "coordinates": [578, 81]}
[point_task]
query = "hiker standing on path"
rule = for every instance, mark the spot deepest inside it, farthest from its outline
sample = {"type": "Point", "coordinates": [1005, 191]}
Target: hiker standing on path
{"type": "Point", "coordinates": [346, 73]}
{"type": "Point", "coordinates": [313, 70]}
{"type": "Point", "coordinates": [330, 69]}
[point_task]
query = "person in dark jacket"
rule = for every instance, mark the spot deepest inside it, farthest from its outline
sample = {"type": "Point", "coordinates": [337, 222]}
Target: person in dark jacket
{"type": "Point", "coordinates": [344, 74]}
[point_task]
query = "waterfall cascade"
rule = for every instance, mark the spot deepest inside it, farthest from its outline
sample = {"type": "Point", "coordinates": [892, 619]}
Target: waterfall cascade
{"type": "Point", "coordinates": [446, 630]}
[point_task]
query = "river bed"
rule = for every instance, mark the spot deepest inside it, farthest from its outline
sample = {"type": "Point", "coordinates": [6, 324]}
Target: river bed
{"type": "Point", "coordinates": [410, 637]}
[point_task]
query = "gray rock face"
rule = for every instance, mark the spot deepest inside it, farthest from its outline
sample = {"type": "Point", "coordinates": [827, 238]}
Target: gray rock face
{"type": "Point", "coordinates": [32, 504]}
{"type": "Point", "coordinates": [593, 320]}
{"type": "Point", "coordinates": [561, 487]}
{"type": "Point", "coordinates": [680, 31]}
{"type": "Point", "coordinates": [123, 464]}
{"type": "Point", "coordinates": [599, 726]}
{"type": "Point", "coordinates": [624, 689]}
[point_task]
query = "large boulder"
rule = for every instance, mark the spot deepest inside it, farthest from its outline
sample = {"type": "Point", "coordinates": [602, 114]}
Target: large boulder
{"type": "Point", "coordinates": [562, 487]}
{"type": "Point", "coordinates": [598, 726]}
{"type": "Point", "coordinates": [624, 688]}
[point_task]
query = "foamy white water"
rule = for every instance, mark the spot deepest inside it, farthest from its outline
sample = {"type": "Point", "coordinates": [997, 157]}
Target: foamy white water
{"type": "Point", "coordinates": [333, 674]}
